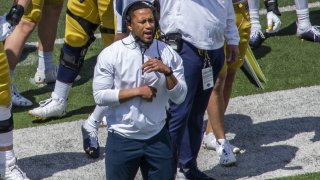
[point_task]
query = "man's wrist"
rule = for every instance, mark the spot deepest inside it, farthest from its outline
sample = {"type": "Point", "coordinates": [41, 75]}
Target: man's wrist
{"type": "Point", "coordinates": [169, 73]}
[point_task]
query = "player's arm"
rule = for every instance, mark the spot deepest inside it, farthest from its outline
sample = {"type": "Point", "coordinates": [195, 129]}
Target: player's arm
{"type": "Point", "coordinates": [10, 20]}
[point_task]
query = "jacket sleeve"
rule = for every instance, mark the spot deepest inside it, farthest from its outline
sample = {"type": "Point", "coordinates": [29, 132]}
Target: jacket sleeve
{"type": "Point", "coordinates": [179, 92]}
{"type": "Point", "coordinates": [231, 32]}
{"type": "Point", "coordinates": [103, 81]}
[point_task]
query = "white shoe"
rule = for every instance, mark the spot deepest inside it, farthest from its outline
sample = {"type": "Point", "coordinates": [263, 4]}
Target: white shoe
{"type": "Point", "coordinates": [226, 156]}
{"type": "Point", "coordinates": [90, 140]}
{"type": "Point", "coordinates": [103, 122]}
{"type": "Point", "coordinates": [311, 34]}
{"type": "Point", "coordinates": [191, 174]}
{"type": "Point", "coordinates": [17, 99]}
{"type": "Point", "coordinates": [13, 172]}
{"type": "Point", "coordinates": [256, 38]}
{"type": "Point", "coordinates": [180, 175]}
{"type": "Point", "coordinates": [52, 107]}
{"type": "Point", "coordinates": [45, 77]}
{"type": "Point", "coordinates": [209, 142]}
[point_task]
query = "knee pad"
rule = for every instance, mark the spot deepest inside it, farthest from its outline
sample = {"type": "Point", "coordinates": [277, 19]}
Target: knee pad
{"type": "Point", "coordinates": [34, 11]}
{"type": "Point", "coordinates": [71, 61]}
{"type": "Point", "coordinates": [6, 125]}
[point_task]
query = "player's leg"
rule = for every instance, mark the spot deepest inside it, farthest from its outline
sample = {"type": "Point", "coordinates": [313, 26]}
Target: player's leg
{"type": "Point", "coordinates": [256, 34]}
{"type": "Point", "coordinates": [81, 22]}
{"type": "Point", "coordinates": [89, 130]}
{"type": "Point", "coordinates": [243, 23]}
{"type": "Point", "coordinates": [8, 163]}
{"type": "Point", "coordinates": [304, 28]}
{"type": "Point", "coordinates": [90, 126]}
{"type": "Point", "coordinates": [47, 30]}
{"type": "Point", "coordinates": [15, 42]}
{"type": "Point", "coordinates": [215, 109]}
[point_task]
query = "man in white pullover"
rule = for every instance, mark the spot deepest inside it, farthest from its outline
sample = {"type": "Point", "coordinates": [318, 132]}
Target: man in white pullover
{"type": "Point", "coordinates": [198, 30]}
{"type": "Point", "coordinates": [135, 78]}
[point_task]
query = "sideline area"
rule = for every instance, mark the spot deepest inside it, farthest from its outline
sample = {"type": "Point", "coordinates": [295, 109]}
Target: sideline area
{"type": "Point", "coordinates": [278, 133]}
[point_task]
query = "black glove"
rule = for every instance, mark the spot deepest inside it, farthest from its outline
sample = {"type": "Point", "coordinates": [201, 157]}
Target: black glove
{"type": "Point", "coordinates": [15, 14]}
{"type": "Point", "coordinates": [272, 5]}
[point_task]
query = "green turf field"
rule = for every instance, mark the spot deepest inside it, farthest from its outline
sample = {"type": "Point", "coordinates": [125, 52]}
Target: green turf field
{"type": "Point", "coordinates": [308, 176]}
{"type": "Point", "coordinates": [286, 61]}
{"type": "Point", "coordinates": [285, 2]}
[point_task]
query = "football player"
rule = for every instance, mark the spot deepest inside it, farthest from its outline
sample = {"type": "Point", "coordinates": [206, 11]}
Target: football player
{"type": "Point", "coordinates": [8, 162]}
{"type": "Point", "coordinates": [45, 14]}
{"type": "Point", "coordinates": [305, 30]}
{"type": "Point", "coordinates": [215, 127]}
{"type": "Point", "coordinates": [82, 20]}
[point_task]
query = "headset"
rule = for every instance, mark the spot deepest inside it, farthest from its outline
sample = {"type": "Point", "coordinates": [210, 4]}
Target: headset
{"type": "Point", "coordinates": [126, 16]}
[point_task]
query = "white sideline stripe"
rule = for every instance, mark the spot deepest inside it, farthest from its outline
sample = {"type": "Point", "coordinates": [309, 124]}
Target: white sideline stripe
{"type": "Point", "coordinates": [262, 12]}
{"type": "Point", "coordinates": [57, 41]}
{"type": "Point", "coordinates": [278, 132]}
{"type": "Point", "coordinates": [291, 8]}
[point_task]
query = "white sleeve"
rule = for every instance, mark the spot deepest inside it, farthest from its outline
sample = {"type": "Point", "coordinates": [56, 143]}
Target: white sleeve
{"type": "Point", "coordinates": [103, 81]}
{"type": "Point", "coordinates": [231, 32]}
{"type": "Point", "coordinates": [179, 92]}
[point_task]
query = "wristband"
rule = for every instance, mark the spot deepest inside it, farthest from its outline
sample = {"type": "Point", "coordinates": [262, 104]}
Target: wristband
{"type": "Point", "coordinates": [169, 73]}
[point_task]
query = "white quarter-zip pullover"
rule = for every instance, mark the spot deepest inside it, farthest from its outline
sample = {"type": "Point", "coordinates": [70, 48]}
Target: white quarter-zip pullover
{"type": "Point", "coordinates": [119, 67]}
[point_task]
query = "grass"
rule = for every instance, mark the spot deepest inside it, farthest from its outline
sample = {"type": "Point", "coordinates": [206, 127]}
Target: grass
{"type": "Point", "coordinates": [80, 102]}
{"type": "Point", "coordinates": [308, 176]}
{"type": "Point", "coordinates": [286, 61]}
{"type": "Point", "coordinates": [285, 2]}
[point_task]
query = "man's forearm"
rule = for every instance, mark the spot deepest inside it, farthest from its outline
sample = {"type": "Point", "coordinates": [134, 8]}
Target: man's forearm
{"type": "Point", "coordinates": [127, 94]}
{"type": "Point", "coordinates": [171, 81]}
